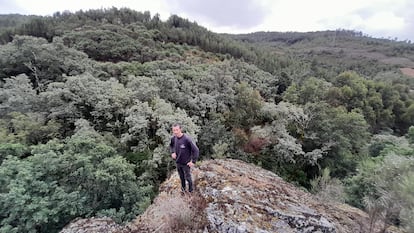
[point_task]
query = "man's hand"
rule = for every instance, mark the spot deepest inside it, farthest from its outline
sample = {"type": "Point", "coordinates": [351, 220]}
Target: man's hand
{"type": "Point", "coordinates": [190, 164]}
{"type": "Point", "coordinates": [174, 156]}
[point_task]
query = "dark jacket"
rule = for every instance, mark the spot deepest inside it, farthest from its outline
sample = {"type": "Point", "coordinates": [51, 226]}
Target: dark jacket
{"type": "Point", "coordinates": [185, 149]}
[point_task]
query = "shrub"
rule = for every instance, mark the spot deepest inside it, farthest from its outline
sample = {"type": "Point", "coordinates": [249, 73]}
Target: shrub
{"type": "Point", "coordinates": [175, 213]}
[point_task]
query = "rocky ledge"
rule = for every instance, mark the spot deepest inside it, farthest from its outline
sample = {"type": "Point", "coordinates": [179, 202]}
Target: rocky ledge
{"type": "Point", "coordinates": [234, 196]}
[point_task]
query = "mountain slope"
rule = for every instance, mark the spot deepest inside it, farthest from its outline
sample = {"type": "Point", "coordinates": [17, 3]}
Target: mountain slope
{"type": "Point", "coordinates": [337, 50]}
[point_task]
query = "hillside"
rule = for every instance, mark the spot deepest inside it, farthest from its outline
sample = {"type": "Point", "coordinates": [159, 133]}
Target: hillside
{"type": "Point", "coordinates": [87, 101]}
{"type": "Point", "coordinates": [335, 49]}
{"type": "Point", "coordinates": [233, 196]}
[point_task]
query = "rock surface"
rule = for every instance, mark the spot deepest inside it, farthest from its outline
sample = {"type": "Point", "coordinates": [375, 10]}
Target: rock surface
{"type": "Point", "coordinates": [233, 196]}
{"type": "Point", "coordinates": [90, 225]}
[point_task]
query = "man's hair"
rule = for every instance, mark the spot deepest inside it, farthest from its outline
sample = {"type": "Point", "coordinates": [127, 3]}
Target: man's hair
{"type": "Point", "coordinates": [177, 125]}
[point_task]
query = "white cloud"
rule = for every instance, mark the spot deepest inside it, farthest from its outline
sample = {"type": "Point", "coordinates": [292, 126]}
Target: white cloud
{"type": "Point", "coordinates": [10, 7]}
{"type": "Point", "coordinates": [379, 18]}
{"type": "Point", "coordinates": [384, 21]}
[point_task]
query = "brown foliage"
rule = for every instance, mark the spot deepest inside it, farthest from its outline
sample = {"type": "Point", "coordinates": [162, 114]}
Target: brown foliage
{"type": "Point", "coordinates": [176, 212]}
{"type": "Point", "coordinates": [255, 144]}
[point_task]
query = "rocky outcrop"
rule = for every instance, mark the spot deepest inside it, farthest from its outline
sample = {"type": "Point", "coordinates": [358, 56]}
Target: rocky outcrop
{"type": "Point", "coordinates": [233, 196]}
{"type": "Point", "coordinates": [90, 225]}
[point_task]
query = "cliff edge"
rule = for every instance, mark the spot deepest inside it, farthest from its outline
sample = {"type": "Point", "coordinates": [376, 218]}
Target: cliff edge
{"type": "Point", "coordinates": [234, 196]}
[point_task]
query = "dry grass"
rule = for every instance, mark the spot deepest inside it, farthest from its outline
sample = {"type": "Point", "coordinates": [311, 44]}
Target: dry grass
{"type": "Point", "coordinates": [174, 213]}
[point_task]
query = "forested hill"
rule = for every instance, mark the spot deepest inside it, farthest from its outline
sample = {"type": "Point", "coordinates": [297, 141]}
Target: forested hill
{"type": "Point", "coordinates": [87, 100]}
{"type": "Point", "coordinates": [340, 50]}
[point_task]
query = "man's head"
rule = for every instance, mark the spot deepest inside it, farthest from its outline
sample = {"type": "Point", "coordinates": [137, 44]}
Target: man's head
{"type": "Point", "coordinates": [176, 128]}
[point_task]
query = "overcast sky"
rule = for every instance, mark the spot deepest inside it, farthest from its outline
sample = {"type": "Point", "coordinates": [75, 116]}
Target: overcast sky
{"type": "Point", "coordinates": [378, 18]}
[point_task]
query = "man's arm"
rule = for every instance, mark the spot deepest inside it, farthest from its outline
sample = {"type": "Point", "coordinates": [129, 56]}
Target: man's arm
{"type": "Point", "coordinates": [172, 148]}
{"type": "Point", "coordinates": [194, 152]}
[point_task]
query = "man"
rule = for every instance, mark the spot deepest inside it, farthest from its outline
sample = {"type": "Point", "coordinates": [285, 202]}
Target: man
{"type": "Point", "coordinates": [185, 152]}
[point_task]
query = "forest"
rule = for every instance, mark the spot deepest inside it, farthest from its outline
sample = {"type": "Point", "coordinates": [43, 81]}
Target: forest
{"type": "Point", "coordinates": [88, 98]}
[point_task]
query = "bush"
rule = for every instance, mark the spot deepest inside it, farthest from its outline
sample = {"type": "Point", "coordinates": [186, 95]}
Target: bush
{"type": "Point", "coordinates": [175, 213]}
{"type": "Point", "coordinates": [327, 188]}
{"type": "Point", "coordinates": [81, 177]}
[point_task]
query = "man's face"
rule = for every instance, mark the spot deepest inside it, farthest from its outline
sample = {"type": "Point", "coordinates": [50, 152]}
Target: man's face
{"type": "Point", "coordinates": [176, 131]}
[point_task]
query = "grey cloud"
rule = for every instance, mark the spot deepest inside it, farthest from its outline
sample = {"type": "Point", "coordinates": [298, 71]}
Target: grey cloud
{"type": "Point", "coordinates": [235, 13]}
{"type": "Point", "coordinates": [10, 7]}
{"type": "Point", "coordinates": [405, 11]}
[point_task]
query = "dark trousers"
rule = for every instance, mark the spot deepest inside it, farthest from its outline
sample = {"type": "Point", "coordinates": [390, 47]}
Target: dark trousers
{"type": "Point", "coordinates": [185, 175]}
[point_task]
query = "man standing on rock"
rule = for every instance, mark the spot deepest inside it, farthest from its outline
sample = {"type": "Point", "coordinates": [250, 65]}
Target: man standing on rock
{"type": "Point", "coordinates": [185, 152]}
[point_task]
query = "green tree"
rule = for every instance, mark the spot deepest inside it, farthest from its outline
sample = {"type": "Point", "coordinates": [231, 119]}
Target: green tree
{"type": "Point", "coordinates": [408, 116]}
{"type": "Point", "coordinates": [27, 129]}
{"type": "Point", "coordinates": [101, 102]}
{"type": "Point", "coordinates": [140, 136]}
{"type": "Point", "coordinates": [245, 111]}
{"type": "Point", "coordinates": [344, 133]}
{"type": "Point", "coordinates": [17, 95]}
{"type": "Point", "coordinates": [410, 134]}
{"type": "Point", "coordinates": [384, 183]}
{"type": "Point", "coordinates": [80, 177]}
{"type": "Point", "coordinates": [43, 62]}
{"type": "Point", "coordinates": [14, 150]}
{"type": "Point", "coordinates": [312, 90]}
{"type": "Point", "coordinates": [405, 193]}
{"type": "Point", "coordinates": [142, 88]}
{"type": "Point", "coordinates": [104, 45]}
{"type": "Point", "coordinates": [353, 89]}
